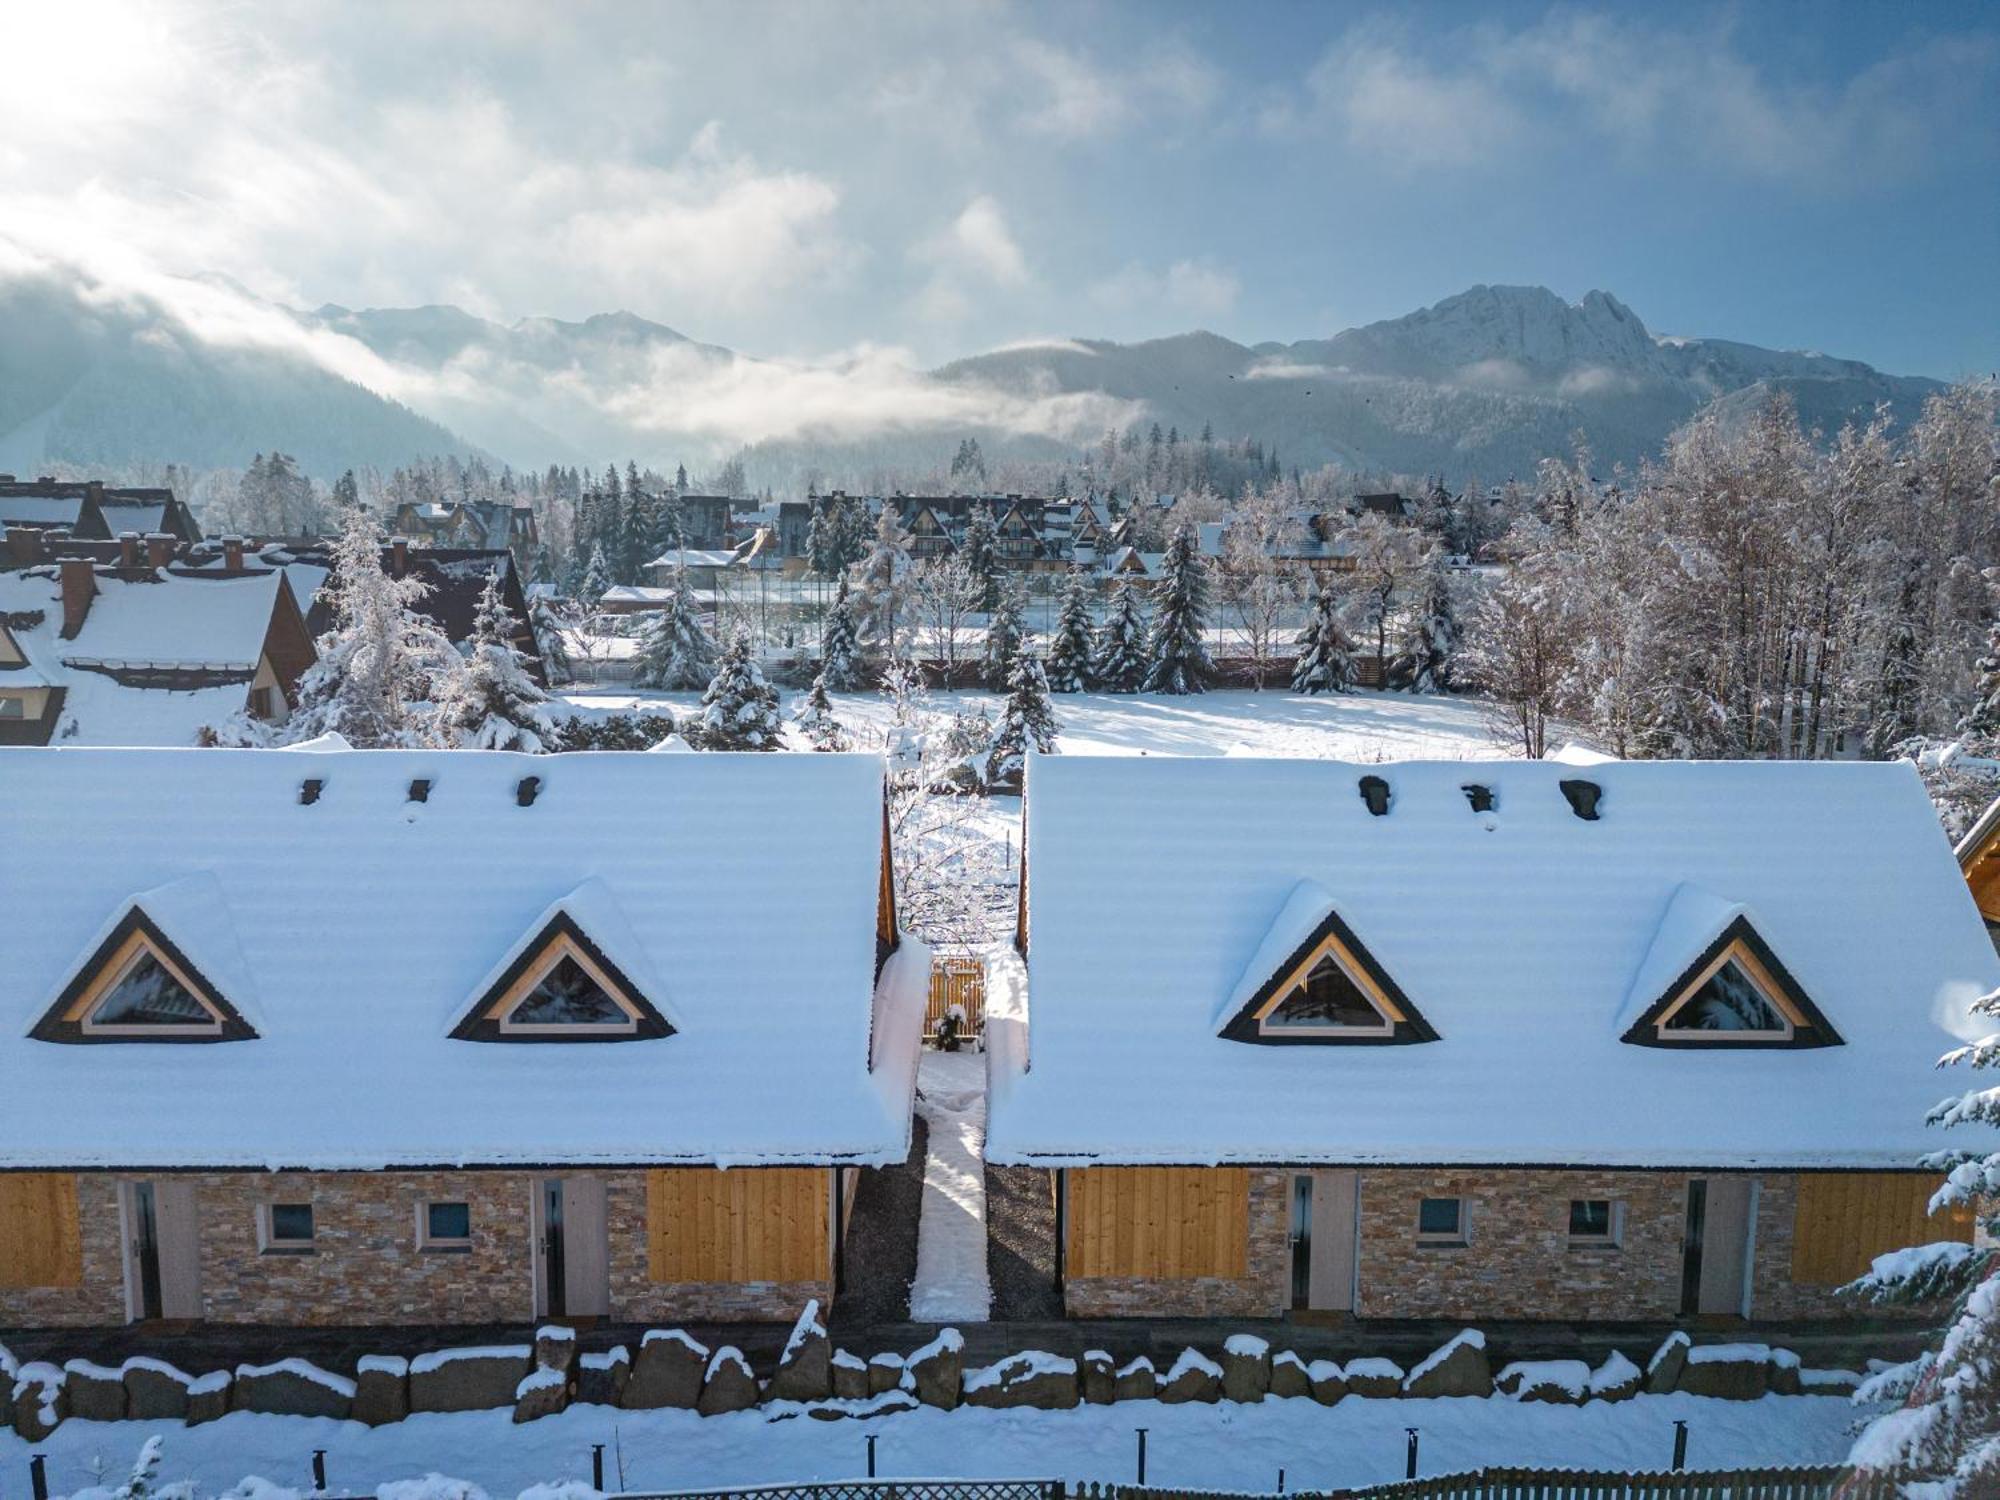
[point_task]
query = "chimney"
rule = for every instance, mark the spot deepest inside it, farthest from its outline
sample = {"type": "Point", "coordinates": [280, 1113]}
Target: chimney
{"type": "Point", "coordinates": [159, 549]}
{"type": "Point", "coordinates": [128, 549]}
{"type": "Point", "coordinates": [79, 586]}
{"type": "Point", "coordinates": [232, 554]}
{"type": "Point", "coordinates": [24, 545]}
{"type": "Point", "coordinates": [93, 489]}
{"type": "Point", "coordinates": [399, 556]}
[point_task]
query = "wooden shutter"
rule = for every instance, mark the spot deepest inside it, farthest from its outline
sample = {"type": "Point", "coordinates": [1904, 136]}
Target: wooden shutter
{"type": "Point", "coordinates": [748, 1224]}
{"type": "Point", "coordinates": [1845, 1219]}
{"type": "Point", "coordinates": [1170, 1223]}
{"type": "Point", "coordinates": [41, 1243]}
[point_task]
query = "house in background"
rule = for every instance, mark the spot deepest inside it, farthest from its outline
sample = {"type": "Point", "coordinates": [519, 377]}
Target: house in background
{"type": "Point", "coordinates": [396, 1036]}
{"type": "Point", "coordinates": [1979, 857]}
{"type": "Point", "coordinates": [476, 525]}
{"type": "Point", "coordinates": [141, 651]}
{"type": "Point", "coordinates": [90, 511]}
{"type": "Point", "coordinates": [1511, 1040]}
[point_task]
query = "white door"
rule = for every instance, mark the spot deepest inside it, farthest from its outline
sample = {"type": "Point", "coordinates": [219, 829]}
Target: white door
{"type": "Point", "coordinates": [586, 1249]}
{"type": "Point", "coordinates": [1728, 1224]}
{"type": "Point", "coordinates": [162, 1249]}
{"type": "Point", "coordinates": [1324, 1215]}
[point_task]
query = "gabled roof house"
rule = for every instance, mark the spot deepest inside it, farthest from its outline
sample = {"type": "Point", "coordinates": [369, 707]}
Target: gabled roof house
{"type": "Point", "coordinates": [459, 1024]}
{"type": "Point", "coordinates": [90, 510]}
{"type": "Point", "coordinates": [1527, 1040]}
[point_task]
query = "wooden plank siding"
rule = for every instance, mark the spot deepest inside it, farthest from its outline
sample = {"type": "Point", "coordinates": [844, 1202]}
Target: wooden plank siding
{"type": "Point", "coordinates": [40, 1241]}
{"type": "Point", "coordinates": [1843, 1220]}
{"type": "Point", "coordinates": [1172, 1223]}
{"type": "Point", "coordinates": [957, 981]}
{"type": "Point", "coordinates": [704, 1224]}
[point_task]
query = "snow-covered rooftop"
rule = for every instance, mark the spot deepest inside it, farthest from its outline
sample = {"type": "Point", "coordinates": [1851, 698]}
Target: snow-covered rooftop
{"type": "Point", "coordinates": [736, 892]}
{"type": "Point", "coordinates": [1523, 936]}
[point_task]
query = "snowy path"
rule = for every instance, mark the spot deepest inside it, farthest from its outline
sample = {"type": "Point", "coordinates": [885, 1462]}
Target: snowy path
{"type": "Point", "coordinates": [951, 1283]}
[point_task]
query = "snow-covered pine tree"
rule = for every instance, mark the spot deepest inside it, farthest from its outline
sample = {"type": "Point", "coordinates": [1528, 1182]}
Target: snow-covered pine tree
{"type": "Point", "coordinates": [840, 656]}
{"type": "Point", "coordinates": [1176, 654]}
{"type": "Point", "coordinates": [981, 554]}
{"type": "Point", "coordinates": [1326, 653]}
{"type": "Point", "coordinates": [1004, 634]}
{"type": "Point", "coordinates": [495, 704]}
{"type": "Point", "coordinates": [1983, 718]}
{"type": "Point", "coordinates": [551, 641]}
{"type": "Point", "coordinates": [677, 653]}
{"type": "Point", "coordinates": [596, 577]}
{"type": "Point", "coordinates": [383, 667]}
{"type": "Point", "coordinates": [1025, 720]}
{"type": "Point", "coordinates": [816, 722]}
{"type": "Point", "coordinates": [882, 588]}
{"type": "Point", "coordinates": [1119, 660]}
{"type": "Point", "coordinates": [1945, 1437]}
{"type": "Point", "coordinates": [1070, 669]}
{"type": "Point", "coordinates": [1431, 639]}
{"type": "Point", "coordinates": [740, 710]}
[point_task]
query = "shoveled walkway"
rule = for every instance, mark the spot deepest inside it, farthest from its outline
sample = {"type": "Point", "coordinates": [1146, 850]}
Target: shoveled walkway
{"type": "Point", "coordinates": [951, 1284]}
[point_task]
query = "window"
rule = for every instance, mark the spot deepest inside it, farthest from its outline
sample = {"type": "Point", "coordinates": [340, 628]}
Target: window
{"type": "Point", "coordinates": [145, 994]}
{"type": "Point", "coordinates": [288, 1227]}
{"type": "Point", "coordinates": [445, 1226]}
{"type": "Point", "coordinates": [568, 996]}
{"type": "Point", "coordinates": [1736, 993]}
{"type": "Point", "coordinates": [562, 988]}
{"type": "Point", "coordinates": [1728, 1000]}
{"type": "Point", "coordinates": [1328, 1000]}
{"type": "Point", "coordinates": [138, 987]}
{"type": "Point", "coordinates": [13, 706]}
{"type": "Point", "coordinates": [1595, 1221]}
{"type": "Point", "coordinates": [1441, 1221]}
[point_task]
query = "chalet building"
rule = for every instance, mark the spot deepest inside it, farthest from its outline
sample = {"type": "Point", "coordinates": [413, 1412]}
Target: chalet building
{"type": "Point", "coordinates": [479, 525]}
{"type": "Point", "coordinates": [89, 510]}
{"type": "Point", "coordinates": [1979, 857]}
{"type": "Point", "coordinates": [141, 650]}
{"type": "Point", "coordinates": [1463, 1041]}
{"type": "Point", "coordinates": [406, 1037]}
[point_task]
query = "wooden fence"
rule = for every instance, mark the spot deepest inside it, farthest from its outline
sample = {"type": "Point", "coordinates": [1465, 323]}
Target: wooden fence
{"type": "Point", "coordinates": [957, 981]}
{"type": "Point", "coordinates": [1832, 1482]}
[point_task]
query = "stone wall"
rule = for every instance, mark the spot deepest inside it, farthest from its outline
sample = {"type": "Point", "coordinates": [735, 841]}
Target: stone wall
{"type": "Point", "coordinates": [100, 1299]}
{"type": "Point", "coordinates": [1263, 1292]}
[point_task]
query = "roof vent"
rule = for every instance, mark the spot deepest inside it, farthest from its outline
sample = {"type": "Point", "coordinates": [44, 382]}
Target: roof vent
{"type": "Point", "coordinates": [1375, 792]}
{"type": "Point", "coordinates": [1583, 798]}
{"type": "Point", "coordinates": [309, 792]}
{"type": "Point", "coordinates": [1480, 796]}
{"type": "Point", "coordinates": [420, 790]}
{"type": "Point", "coordinates": [527, 789]}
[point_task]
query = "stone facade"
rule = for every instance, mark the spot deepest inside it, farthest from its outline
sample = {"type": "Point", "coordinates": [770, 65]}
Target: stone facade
{"type": "Point", "coordinates": [1263, 1292]}
{"type": "Point", "coordinates": [100, 1300]}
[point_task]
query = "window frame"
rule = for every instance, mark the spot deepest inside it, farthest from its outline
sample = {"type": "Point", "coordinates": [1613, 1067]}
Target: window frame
{"type": "Point", "coordinates": [1383, 1030]}
{"type": "Point", "coordinates": [628, 1025]}
{"type": "Point", "coordinates": [1752, 971]}
{"type": "Point", "coordinates": [1455, 1238]}
{"type": "Point", "coordinates": [270, 1242]}
{"type": "Point", "coordinates": [1613, 1237]}
{"type": "Point", "coordinates": [113, 975]}
{"type": "Point", "coordinates": [438, 1244]}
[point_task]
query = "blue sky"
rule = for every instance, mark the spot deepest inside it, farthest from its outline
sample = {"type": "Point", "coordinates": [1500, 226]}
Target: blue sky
{"type": "Point", "coordinates": [825, 179]}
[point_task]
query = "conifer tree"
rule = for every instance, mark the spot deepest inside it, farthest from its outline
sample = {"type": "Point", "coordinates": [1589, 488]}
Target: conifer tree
{"type": "Point", "coordinates": [981, 554]}
{"type": "Point", "coordinates": [840, 655]}
{"type": "Point", "coordinates": [740, 710]}
{"type": "Point", "coordinates": [677, 653]}
{"type": "Point", "coordinates": [1984, 717]}
{"type": "Point", "coordinates": [1004, 636]}
{"type": "Point", "coordinates": [815, 719]}
{"type": "Point", "coordinates": [1326, 655]}
{"type": "Point", "coordinates": [1176, 655]}
{"type": "Point", "coordinates": [1025, 720]}
{"type": "Point", "coordinates": [495, 704]}
{"type": "Point", "coordinates": [596, 577]}
{"type": "Point", "coordinates": [1120, 659]}
{"type": "Point", "coordinates": [1069, 667]}
{"type": "Point", "coordinates": [883, 585]}
{"type": "Point", "coordinates": [1431, 641]}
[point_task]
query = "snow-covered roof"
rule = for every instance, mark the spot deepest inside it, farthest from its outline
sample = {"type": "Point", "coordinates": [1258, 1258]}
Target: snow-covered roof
{"type": "Point", "coordinates": [737, 892]}
{"type": "Point", "coordinates": [1527, 937]}
{"type": "Point", "coordinates": [40, 510]}
{"type": "Point", "coordinates": [693, 557]}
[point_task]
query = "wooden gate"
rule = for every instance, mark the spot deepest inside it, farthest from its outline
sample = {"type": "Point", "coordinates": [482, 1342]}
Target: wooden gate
{"type": "Point", "coordinates": [961, 982]}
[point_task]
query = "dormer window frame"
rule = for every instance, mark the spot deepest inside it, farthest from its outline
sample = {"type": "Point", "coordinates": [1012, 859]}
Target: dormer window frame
{"type": "Point", "coordinates": [70, 1019]}
{"type": "Point", "coordinates": [1330, 937]}
{"type": "Point", "coordinates": [1760, 981]}
{"type": "Point", "coordinates": [1332, 952]}
{"type": "Point", "coordinates": [490, 1018]}
{"type": "Point", "coordinates": [1740, 943]}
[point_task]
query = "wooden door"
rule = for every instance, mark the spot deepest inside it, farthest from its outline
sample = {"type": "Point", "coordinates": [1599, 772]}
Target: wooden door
{"type": "Point", "coordinates": [1728, 1224]}
{"type": "Point", "coordinates": [1324, 1207]}
{"type": "Point", "coordinates": [586, 1249]}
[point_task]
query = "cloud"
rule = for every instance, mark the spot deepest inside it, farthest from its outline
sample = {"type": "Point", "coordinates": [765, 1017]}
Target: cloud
{"type": "Point", "coordinates": [979, 243]}
{"type": "Point", "coordinates": [1189, 289]}
{"type": "Point", "coordinates": [1286, 369]}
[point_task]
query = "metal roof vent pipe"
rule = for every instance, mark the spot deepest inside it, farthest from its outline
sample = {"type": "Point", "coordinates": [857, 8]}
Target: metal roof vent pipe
{"type": "Point", "coordinates": [1481, 797]}
{"type": "Point", "coordinates": [1583, 798]}
{"type": "Point", "coordinates": [1375, 792]}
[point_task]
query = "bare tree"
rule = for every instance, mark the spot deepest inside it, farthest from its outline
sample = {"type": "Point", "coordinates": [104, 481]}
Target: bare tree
{"type": "Point", "coordinates": [1260, 590]}
{"type": "Point", "coordinates": [1387, 558]}
{"type": "Point", "coordinates": [948, 592]}
{"type": "Point", "coordinates": [1522, 656]}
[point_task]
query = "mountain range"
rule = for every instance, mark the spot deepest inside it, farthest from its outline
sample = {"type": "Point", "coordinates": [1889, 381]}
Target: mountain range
{"type": "Point", "coordinates": [1484, 383]}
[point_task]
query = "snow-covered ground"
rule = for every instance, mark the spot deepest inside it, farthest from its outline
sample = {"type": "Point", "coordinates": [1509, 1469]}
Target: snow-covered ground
{"type": "Point", "coordinates": [951, 1284]}
{"type": "Point", "coordinates": [1207, 1447]}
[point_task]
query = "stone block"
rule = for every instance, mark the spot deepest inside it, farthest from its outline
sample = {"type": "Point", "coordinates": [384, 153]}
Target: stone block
{"type": "Point", "coordinates": [381, 1389]}
{"type": "Point", "coordinates": [1565, 1382]}
{"type": "Point", "coordinates": [668, 1371]}
{"type": "Point", "coordinates": [96, 1393]}
{"type": "Point", "coordinates": [211, 1397]}
{"type": "Point", "coordinates": [1030, 1378]}
{"type": "Point", "coordinates": [885, 1373]}
{"type": "Point", "coordinates": [292, 1388]}
{"type": "Point", "coordinates": [543, 1392]}
{"type": "Point", "coordinates": [1663, 1370]}
{"type": "Point", "coordinates": [601, 1378]}
{"type": "Point", "coordinates": [1138, 1381]}
{"type": "Point", "coordinates": [1458, 1368]}
{"type": "Point", "coordinates": [1373, 1377]}
{"type": "Point", "coordinates": [1617, 1379]}
{"type": "Point", "coordinates": [850, 1376]}
{"type": "Point", "coordinates": [555, 1347]}
{"type": "Point", "coordinates": [1785, 1378]}
{"type": "Point", "coordinates": [475, 1379]}
{"type": "Point", "coordinates": [805, 1368]}
{"type": "Point", "coordinates": [1097, 1378]}
{"type": "Point", "coordinates": [1246, 1368]}
{"type": "Point", "coordinates": [938, 1370]}
{"type": "Point", "coordinates": [1738, 1372]}
{"type": "Point", "coordinates": [1328, 1381]}
{"type": "Point", "coordinates": [1194, 1377]}
{"type": "Point", "coordinates": [38, 1401]}
{"type": "Point", "coordinates": [1288, 1375]}
{"type": "Point", "coordinates": [155, 1391]}
{"type": "Point", "coordinates": [727, 1385]}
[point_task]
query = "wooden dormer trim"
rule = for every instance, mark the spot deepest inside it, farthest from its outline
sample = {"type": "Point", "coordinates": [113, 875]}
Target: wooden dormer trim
{"type": "Point", "coordinates": [1333, 938]}
{"type": "Point", "coordinates": [1805, 1026]}
{"type": "Point", "coordinates": [137, 936]}
{"type": "Point", "coordinates": [562, 938]}
{"type": "Point", "coordinates": [887, 935]}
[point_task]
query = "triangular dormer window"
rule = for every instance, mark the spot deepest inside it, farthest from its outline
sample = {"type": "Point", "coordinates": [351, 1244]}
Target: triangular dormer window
{"type": "Point", "coordinates": [138, 987]}
{"type": "Point", "coordinates": [562, 988]}
{"type": "Point", "coordinates": [1313, 982]}
{"type": "Point", "coordinates": [1735, 994]}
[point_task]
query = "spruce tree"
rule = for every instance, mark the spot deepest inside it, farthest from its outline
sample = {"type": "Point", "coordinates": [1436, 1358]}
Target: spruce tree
{"type": "Point", "coordinates": [1983, 719]}
{"type": "Point", "coordinates": [1070, 668]}
{"type": "Point", "coordinates": [981, 553]}
{"type": "Point", "coordinates": [1432, 638]}
{"type": "Point", "coordinates": [1004, 635]}
{"type": "Point", "coordinates": [677, 653]}
{"type": "Point", "coordinates": [495, 704]}
{"type": "Point", "coordinates": [740, 710]}
{"type": "Point", "coordinates": [1176, 655]}
{"type": "Point", "coordinates": [840, 656]}
{"type": "Point", "coordinates": [1120, 660]}
{"type": "Point", "coordinates": [816, 722]}
{"type": "Point", "coordinates": [1025, 720]}
{"type": "Point", "coordinates": [551, 641]}
{"type": "Point", "coordinates": [1326, 655]}
{"type": "Point", "coordinates": [596, 577]}
{"type": "Point", "coordinates": [883, 585]}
